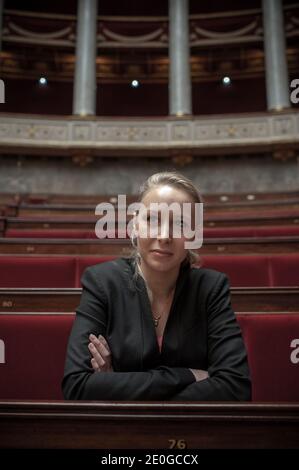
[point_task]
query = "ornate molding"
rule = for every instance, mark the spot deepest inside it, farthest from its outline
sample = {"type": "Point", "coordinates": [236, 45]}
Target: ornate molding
{"type": "Point", "coordinates": [129, 32]}
{"type": "Point", "coordinates": [51, 40]}
{"type": "Point", "coordinates": [269, 132]}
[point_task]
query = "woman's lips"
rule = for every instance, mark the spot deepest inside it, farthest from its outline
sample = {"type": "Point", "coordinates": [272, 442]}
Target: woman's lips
{"type": "Point", "coordinates": [161, 254]}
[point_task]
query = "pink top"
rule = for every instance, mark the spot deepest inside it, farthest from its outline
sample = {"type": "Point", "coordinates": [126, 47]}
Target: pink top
{"type": "Point", "coordinates": [159, 339]}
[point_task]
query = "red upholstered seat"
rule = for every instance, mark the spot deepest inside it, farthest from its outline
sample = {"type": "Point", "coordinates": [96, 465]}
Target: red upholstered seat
{"type": "Point", "coordinates": [40, 271]}
{"type": "Point", "coordinates": [208, 232]}
{"type": "Point", "coordinates": [54, 233]}
{"type": "Point", "coordinates": [228, 232]}
{"type": "Point", "coordinates": [34, 353]}
{"type": "Point", "coordinates": [272, 343]}
{"type": "Point", "coordinates": [34, 346]}
{"type": "Point", "coordinates": [82, 262]}
{"type": "Point", "coordinates": [251, 231]}
{"type": "Point", "coordinates": [284, 270]}
{"type": "Point", "coordinates": [49, 233]}
{"type": "Point", "coordinates": [66, 271]}
{"type": "Point", "coordinates": [242, 270]}
{"type": "Point", "coordinates": [277, 231]}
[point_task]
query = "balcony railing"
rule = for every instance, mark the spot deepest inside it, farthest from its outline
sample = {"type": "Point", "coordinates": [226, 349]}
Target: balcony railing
{"type": "Point", "coordinates": [156, 137]}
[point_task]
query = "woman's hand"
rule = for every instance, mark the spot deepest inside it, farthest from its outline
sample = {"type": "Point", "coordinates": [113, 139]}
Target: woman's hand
{"type": "Point", "coordinates": [200, 374]}
{"type": "Point", "coordinates": [101, 354]}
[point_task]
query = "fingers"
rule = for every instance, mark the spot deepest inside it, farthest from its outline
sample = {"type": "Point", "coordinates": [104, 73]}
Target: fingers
{"type": "Point", "coordinates": [94, 364]}
{"type": "Point", "coordinates": [96, 355]}
{"type": "Point", "coordinates": [100, 351]}
{"type": "Point", "coordinates": [104, 342]}
{"type": "Point", "coordinates": [200, 374]}
{"type": "Point", "coordinates": [100, 344]}
{"type": "Point", "coordinates": [103, 345]}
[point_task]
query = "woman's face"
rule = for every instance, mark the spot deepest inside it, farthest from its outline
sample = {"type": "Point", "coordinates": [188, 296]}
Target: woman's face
{"type": "Point", "coordinates": [163, 249]}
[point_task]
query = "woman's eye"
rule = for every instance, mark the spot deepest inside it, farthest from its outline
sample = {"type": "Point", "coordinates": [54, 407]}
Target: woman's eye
{"type": "Point", "coordinates": [181, 223]}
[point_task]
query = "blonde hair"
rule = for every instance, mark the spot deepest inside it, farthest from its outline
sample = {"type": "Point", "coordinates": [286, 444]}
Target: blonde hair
{"type": "Point", "coordinates": [170, 178]}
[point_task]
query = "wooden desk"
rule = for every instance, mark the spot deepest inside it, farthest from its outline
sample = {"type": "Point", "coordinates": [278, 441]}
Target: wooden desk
{"type": "Point", "coordinates": [250, 245]}
{"type": "Point", "coordinates": [244, 300]}
{"type": "Point", "coordinates": [152, 425]}
{"type": "Point", "coordinates": [123, 247]}
{"type": "Point", "coordinates": [65, 246]}
{"type": "Point", "coordinates": [87, 220]}
{"type": "Point", "coordinates": [79, 209]}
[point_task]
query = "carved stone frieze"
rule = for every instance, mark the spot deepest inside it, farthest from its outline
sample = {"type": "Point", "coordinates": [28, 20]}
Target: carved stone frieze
{"type": "Point", "coordinates": [159, 137]}
{"type": "Point", "coordinates": [223, 129]}
{"type": "Point", "coordinates": [135, 132]}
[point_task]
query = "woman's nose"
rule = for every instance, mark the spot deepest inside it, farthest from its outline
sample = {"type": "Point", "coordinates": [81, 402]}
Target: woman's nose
{"type": "Point", "coordinates": [163, 233]}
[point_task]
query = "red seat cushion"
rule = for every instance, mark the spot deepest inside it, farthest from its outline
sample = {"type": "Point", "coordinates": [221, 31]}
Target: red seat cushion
{"type": "Point", "coordinates": [34, 354]}
{"type": "Point", "coordinates": [49, 233]}
{"type": "Point", "coordinates": [277, 231]}
{"type": "Point", "coordinates": [37, 271]}
{"type": "Point", "coordinates": [285, 270]}
{"type": "Point", "coordinates": [58, 233]}
{"type": "Point", "coordinates": [242, 270]}
{"type": "Point", "coordinates": [251, 231]}
{"type": "Point", "coordinates": [274, 364]}
{"type": "Point", "coordinates": [228, 232]}
{"type": "Point", "coordinates": [84, 261]}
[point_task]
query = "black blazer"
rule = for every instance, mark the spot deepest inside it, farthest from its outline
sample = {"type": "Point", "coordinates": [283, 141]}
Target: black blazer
{"type": "Point", "coordinates": [201, 333]}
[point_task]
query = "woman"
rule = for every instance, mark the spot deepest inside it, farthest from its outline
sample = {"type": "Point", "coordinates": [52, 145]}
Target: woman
{"type": "Point", "coordinates": [152, 326]}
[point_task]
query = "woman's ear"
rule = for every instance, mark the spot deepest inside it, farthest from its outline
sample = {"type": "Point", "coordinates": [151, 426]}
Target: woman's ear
{"type": "Point", "coordinates": [135, 224]}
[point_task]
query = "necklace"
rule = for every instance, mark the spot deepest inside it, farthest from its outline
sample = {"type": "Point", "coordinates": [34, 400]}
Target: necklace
{"type": "Point", "coordinates": [156, 319]}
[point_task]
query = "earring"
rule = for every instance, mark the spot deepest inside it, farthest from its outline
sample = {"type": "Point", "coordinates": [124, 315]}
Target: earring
{"type": "Point", "coordinates": [133, 239]}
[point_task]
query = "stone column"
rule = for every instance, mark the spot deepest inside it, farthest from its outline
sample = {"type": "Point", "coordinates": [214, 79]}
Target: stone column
{"type": "Point", "coordinates": [1, 22]}
{"type": "Point", "coordinates": [85, 85]}
{"type": "Point", "coordinates": [277, 81]}
{"type": "Point", "coordinates": [180, 101]}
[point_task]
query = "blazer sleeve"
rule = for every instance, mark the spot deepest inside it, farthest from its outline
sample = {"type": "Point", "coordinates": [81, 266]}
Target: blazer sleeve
{"type": "Point", "coordinates": [80, 382]}
{"type": "Point", "coordinates": [229, 377]}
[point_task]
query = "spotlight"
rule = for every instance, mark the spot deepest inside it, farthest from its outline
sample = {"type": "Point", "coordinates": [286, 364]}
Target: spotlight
{"type": "Point", "coordinates": [226, 81]}
{"type": "Point", "coordinates": [134, 84]}
{"type": "Point", "coordinates": [43, 81]}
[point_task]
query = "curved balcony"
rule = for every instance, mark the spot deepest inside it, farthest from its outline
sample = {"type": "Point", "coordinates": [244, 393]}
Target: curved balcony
{"type": "Point", "coordinates": [156, 137]}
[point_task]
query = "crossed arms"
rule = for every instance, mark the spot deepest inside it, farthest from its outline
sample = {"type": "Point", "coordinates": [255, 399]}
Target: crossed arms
{"type": "Point", "coordinates": [89, 374]}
